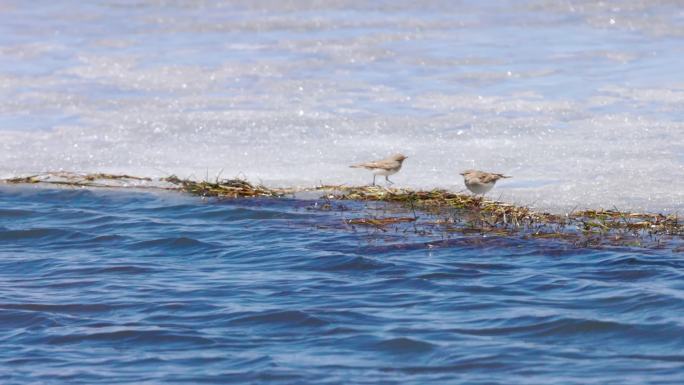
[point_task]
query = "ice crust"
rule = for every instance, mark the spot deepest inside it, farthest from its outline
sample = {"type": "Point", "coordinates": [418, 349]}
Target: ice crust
{"type": "Point", "coordinates": [583, 104]}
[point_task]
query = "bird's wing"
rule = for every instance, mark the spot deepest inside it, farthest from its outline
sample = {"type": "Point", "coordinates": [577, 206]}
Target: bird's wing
{"type": "Point", "coordinates": [382, 164]}
{"type": "Point", "coordinates": [491, 177]}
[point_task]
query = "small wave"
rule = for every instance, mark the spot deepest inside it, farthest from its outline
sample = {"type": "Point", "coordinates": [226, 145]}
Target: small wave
{"type": "Point", "coordinates": [15, 213]}
{"type": "Point", "coordinates": [172, 242]}
{"type": "Point", "coordinates": [267, 376]}
{"type": "Point", "coordinates": [94, 271]}
{"type": "Point", "coordinates": [458, 274]}
{"type": "Point", "coordinates": [73, 283]}
{"type": "Point", "coordinates": [261, 362]}
{"type": "Point", "coordinates": [225, 213]}
{"type": "Point", "coordinates": [103, 239]}
{"type": "Point", "coordinates": [25, 319]}
{"type": "Point", "coordinates": [465, 245]}
{"type": "Point", "coordinates": [36, 233]}
{"type": "Point", "coordinates": [655, 357]}
{"type": "Point", "coordinates": [332, 263]}
{"type": "Point", "coordinates": [404, 345]}
{"type": "Point", "coordinates": [481, 363]}
{"type": "Point", "coordinates": [63, 308]}
{"type": "Point", "coordinates": [286, 318]}
{"type": "Point", "coordinates": [578, 328]}
{"type": "Point", "coordinates": [341, 331]}
{"type": "Point", "coordinates": [640, 261]}
{"type": "Point", "coordinates": [137, 336]}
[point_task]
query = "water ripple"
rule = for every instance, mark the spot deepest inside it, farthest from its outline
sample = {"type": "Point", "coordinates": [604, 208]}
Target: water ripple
{"type": "Point", "coordinates": [148, 288]}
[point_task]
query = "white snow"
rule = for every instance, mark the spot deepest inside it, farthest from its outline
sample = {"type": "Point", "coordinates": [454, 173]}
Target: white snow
{"type": "Point", "coordinates": [582, 111]}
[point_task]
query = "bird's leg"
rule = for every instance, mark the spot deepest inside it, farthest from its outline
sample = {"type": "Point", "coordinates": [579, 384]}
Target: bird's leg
{"type": "Point", "coordinates": [373, 179]}
{"type": "Point", "coordinates": [387, 179]}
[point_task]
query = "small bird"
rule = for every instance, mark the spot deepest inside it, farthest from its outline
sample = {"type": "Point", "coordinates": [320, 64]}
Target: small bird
{"type": "Point", "coordinates": [480, 182]}
{"type": "Point", "coordinates": [386, 167]}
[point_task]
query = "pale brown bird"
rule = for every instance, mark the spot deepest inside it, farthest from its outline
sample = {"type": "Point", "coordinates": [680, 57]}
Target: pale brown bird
{"type": "Point", "coordinates": [480, 182]}
{"type": "Point", "coordinates": [386, 167]}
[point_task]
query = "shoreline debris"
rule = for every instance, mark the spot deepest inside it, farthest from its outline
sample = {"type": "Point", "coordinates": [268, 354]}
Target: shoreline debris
{"type": "Point", "coordinates": [448, 212]}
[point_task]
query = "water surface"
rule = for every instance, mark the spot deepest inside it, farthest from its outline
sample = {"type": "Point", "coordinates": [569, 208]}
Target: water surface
{"type": "Point", "coordinates": [133, 287]}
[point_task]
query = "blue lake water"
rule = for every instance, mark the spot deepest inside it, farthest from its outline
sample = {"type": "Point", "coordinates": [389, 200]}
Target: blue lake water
{"type": "Point", "coordinates": [104, 286]}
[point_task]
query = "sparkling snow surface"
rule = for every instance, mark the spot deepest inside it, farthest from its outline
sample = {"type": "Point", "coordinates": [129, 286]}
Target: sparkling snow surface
{"type": "Point", "coordinates": [582, 102]}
